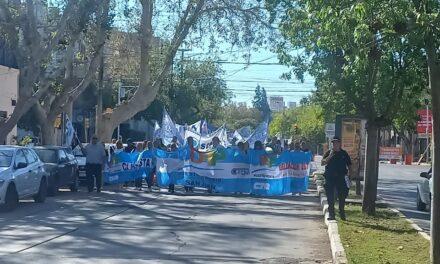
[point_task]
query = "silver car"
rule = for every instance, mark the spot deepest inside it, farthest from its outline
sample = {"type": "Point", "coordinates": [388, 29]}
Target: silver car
{"type": "Point", "coordinates": [22, 175]}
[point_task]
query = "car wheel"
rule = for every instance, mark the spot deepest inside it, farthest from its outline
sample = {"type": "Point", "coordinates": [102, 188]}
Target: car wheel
{"type": "Point", "coordinates": [40, 197]}
{"type": "Point", "coordinates": [74, 185]}
{"type": "Point", "coordinates": [421, 206]}
{"type": "Point", "coordinates": [11, 198]}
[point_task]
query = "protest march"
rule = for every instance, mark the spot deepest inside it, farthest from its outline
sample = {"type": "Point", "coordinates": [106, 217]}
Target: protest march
{"type": "Point", "coordinates": [213, 161]}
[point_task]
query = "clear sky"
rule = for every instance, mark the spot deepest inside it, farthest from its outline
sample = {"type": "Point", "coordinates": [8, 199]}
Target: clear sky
{"type": "Point", "coordinates": [242, 79]}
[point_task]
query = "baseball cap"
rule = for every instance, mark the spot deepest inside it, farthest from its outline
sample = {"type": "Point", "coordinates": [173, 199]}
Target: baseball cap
{"type": "Point", "coordinates": [335, 138]}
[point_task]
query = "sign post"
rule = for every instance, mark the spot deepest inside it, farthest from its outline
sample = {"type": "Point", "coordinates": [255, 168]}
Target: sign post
{"type": "Point", "coordinates": [424, 126]}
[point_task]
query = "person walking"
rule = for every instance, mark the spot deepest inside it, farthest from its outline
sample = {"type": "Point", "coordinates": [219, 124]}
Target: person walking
{"type": "Point", "coordinates": [95, 158]}
{"type": "Point", "coordinates": [138, 181]}
{"type": "Point", "coordinates": [337, 165]}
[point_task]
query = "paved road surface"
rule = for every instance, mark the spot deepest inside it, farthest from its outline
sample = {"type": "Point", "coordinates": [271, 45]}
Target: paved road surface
{"type": "Point", "coordinates": [398, 186]}
{"type": "Point", "coordinates": [139, 227]}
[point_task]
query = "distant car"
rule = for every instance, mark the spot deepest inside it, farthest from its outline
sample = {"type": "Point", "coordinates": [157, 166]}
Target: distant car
{"type": "Point", "coordinates": [424, 191]}
{"type": "Point", "coordinates": [22, 175]}
{"type": "Point", "coordinates": [81, 159]}
{"type": "Point", "coordinates": [61, 166]}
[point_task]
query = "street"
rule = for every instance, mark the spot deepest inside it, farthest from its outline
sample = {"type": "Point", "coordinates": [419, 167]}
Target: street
{"type": "Point", "coordinates": [398, 186]}
{"type": "Point", "coordinates": [130, 226]}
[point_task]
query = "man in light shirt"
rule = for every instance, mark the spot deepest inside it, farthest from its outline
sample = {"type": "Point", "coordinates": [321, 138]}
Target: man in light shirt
{"type": "Point", "coordinates": [95, 158]}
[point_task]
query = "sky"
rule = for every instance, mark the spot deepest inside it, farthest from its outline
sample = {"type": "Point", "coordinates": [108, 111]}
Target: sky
{"type": "Point", "coordinates": [241, 79]}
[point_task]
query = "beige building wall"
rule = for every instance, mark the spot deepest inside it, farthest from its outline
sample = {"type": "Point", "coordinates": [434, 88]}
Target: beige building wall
{"type": "Point", "coordinates": [8, 92]}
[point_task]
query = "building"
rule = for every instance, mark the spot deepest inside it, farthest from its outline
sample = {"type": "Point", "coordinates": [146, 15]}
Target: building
{"type": "Point", "coordinates": [292, 104]}
{"type": "Point", "coordinates": [9, 92]}
{"type": "Point", "coordinates": [276, 103]}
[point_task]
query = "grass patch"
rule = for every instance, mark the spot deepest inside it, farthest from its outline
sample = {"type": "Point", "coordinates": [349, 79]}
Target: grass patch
{"type": "Point", "coordinates": [354, 196]}
{"type": "Point", "coordinates": [385, 238]}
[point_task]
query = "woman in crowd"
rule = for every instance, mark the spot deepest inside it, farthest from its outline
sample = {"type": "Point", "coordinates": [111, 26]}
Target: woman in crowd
{"type": "Point", "coordinates": [258, 145]}
{"type": "Point", "coordinates": [192, 151]}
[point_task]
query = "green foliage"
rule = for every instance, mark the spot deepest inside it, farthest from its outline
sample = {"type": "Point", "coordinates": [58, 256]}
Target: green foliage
{"type": "Point", "coordinates": [260, 102]}
{"type": "Point", "coordinates": [364, 238]}
{"type": "Point", "coordinates": [355, 51]}
{"type": "Point", "coordinates": [237, 117]}
{"type": "Point", "coordinates": [195, 93]}
{"type": "Point", "coordinates": [308, 119]}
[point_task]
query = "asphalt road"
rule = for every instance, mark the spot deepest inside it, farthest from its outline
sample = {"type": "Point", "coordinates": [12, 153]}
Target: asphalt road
{"type": "Point", "coordinates": [398, 186]}
{"type": "Point", "coordinates": [136, 227]}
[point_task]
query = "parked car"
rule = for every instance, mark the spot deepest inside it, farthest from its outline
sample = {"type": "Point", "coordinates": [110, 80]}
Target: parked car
{"type": "Point", "coordinates": [424, 190]}
{"type": "Point", "coordinates": [22, 175]}
{"type": "Point", "coordinates": [61, 166]}
{"type": "Point", "coordinates": [81, 159]}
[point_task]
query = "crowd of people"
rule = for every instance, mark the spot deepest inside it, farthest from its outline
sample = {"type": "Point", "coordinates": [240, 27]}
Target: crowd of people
{"type": "Point", "coordinates": [97, 155]}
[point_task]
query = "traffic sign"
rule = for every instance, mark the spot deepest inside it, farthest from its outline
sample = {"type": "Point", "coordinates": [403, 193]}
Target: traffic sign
{"type": "Point", "coordinates": [330, 130]}
{"type": "Point", "coordinates": [425, 123]}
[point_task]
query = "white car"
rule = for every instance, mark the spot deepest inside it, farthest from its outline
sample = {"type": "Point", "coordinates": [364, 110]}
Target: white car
{"type": "Point", "coordinates": [22, 175]}
{"type": "Point", "coordinates": [424, 191]}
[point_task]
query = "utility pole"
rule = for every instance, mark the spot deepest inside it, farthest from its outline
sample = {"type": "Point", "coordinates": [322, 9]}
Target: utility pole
{"type": "Point", "coordinates": [182, 55]}
{"type": "Point", "coordinates": [119, 102]}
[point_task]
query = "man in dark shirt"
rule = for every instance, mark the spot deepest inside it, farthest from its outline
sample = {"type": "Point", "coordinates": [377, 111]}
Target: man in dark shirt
{"type": "Point", "coordinates": [337, 165]}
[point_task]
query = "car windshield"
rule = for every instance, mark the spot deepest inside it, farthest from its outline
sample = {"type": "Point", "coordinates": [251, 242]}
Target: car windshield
{"type": "Point", "coordinates": [6, 158]}
{"type": "Point", "coordinates": [47, 155]}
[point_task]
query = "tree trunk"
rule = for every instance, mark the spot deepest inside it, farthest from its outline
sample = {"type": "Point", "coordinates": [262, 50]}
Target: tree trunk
{"type": "Point", "coordinates": [371, 169]}
{"type": "Point", "coordinates": [48, 133]}
{"type": "Point", "coordinates": [46, 123]}
{"type": "Point", "coordinates": [434, 84]}
{"type": "Point", "coordinates": [105, 129]}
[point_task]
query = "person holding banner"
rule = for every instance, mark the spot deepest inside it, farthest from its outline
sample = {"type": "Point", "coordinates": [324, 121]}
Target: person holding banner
{"type": "Point", "coordinates": [172, 148]}
{"type": "Point", "coordinates": [337, 164]}
{"type": "Point", "coordinates": [148, 145]}
{"type": "Point", "coordinates": [192, 151]}
{"type": "Point", "coordinates": [138, 181]}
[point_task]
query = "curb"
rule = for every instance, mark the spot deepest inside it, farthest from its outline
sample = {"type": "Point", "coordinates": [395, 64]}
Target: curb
{"type": "Point", "coordinates": [338, 251]}
{"type": "Point", "coordinates": [419, 230]}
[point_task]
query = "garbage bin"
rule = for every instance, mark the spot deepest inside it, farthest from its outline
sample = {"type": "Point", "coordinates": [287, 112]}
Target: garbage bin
{"type": "Point", "coordinates": [408, 159]}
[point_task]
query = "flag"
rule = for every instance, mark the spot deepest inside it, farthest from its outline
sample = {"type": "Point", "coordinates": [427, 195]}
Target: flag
{"type": "Point", "coordinates": [196, 127]}
{"type": "Point", "coordinates": [260, 134]}
{"type": "Point", "coordinates": [204, 129]}
{"type": "Point", "coordinates": [156, 132]}
{"type": "Point", "coordinates": [70, 131]}
{"type": "Point", "coordinates": [169, 129]}
{"type": "Point", "coordinates": [245, 131]}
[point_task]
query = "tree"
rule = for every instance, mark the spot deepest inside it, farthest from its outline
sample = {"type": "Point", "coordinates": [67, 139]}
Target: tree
{"type": "Point", "coordinates": [42, 49]}
{"type": "Point", "coordinates": [63, 92]}
{"type": "Point", "coordinates": [239, 22]}
{"type": "Point", "coordinates": [260, 102]}
{"type": "Point", "coordinates": [236, 117]}
{"type": "Point", "coordinates": [358, 54]}
{"type": "Point", "coordinates": [198, 92]}
{"type": "Point", "coordinates": [304, 122]}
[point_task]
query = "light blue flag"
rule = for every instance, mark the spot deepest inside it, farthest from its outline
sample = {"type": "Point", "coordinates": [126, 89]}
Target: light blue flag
{"type": "Point", "coordinates": [169, 130]}
{"type": "Point", "coordinates": [157, 130]}
{"type": "Point", "coordinates": [260, 134]}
